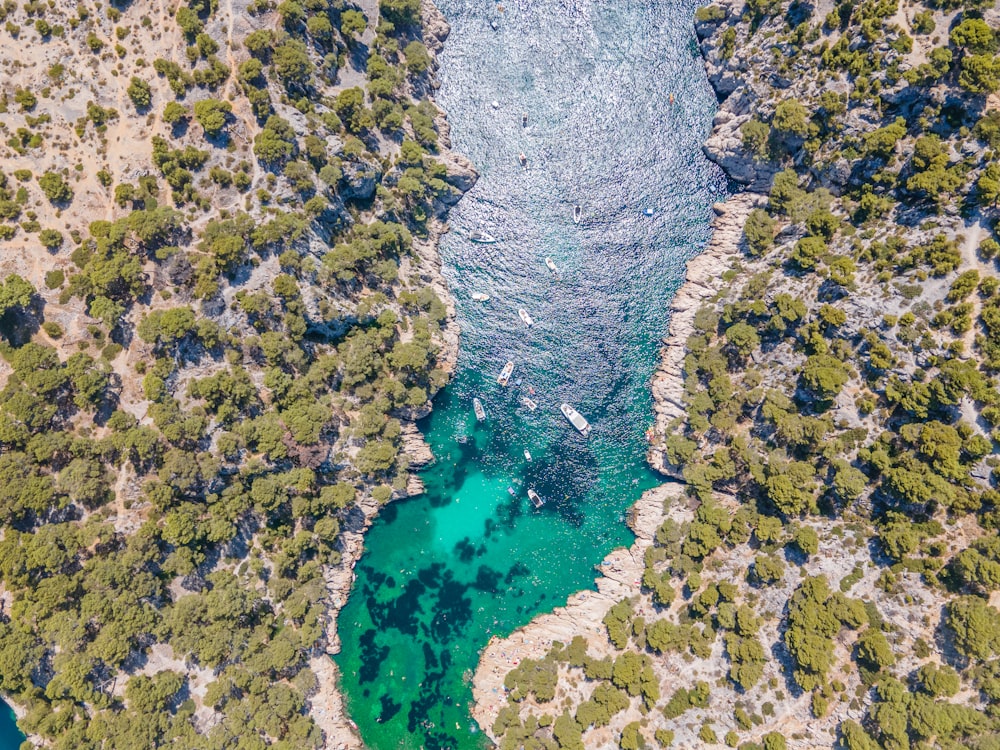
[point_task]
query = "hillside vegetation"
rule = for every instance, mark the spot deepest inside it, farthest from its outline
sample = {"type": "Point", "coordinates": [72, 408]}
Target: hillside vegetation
{"type": "Point", "coordinates": [220, 312]}
{"type": "Point", "coordinates": [827, 574]}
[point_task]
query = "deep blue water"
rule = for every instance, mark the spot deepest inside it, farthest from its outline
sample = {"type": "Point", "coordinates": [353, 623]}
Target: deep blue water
{"type": "Point", "coordinates": [466, 560]}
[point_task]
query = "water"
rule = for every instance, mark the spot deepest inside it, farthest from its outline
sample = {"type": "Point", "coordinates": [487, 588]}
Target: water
{"type": "Point", "coordinates": [10, 737]}
{"type": "Point", "coordinates": [445, 571]}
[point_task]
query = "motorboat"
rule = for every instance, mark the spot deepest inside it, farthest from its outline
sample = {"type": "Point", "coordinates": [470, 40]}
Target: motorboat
{"type": "Point", "coordinates": [477, 407]}
{"type": "Point", "coordinates": [535, 499]}
{"type": "Point", "coordinates": [480, 297]}
{"type": "Point", "coordinates": [528, 320]}
{"type": "Point", "coordinates": [511, 491]}
{"type": "Point", "coordinates": [650, 211]}
{"type": "Point", "coordinates": [529, 403]}
{"type": "Point", "coordinates": [577, 213]}
{"type": "Point", "coordinates": [495, 104]}
{"type": "Point", "coordinates": [576, 419]}
{"type": "Point", "coordinates": [550, 265]}
{"type": "Point", "coordinates": [527, 454]}
{"type": "Point", "coordinates": [505, 373]}
{"type": "Point", "coordinates": [482, 238]}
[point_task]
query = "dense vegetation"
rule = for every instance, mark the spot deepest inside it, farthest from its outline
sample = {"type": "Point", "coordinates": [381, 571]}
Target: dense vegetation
{"type": "Point", "coordinates": [829, 578]}
{"type": "Point", "coordinates": [211, 369]}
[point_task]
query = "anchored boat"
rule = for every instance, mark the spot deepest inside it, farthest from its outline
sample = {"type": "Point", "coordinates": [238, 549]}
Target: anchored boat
{"type": "Point", "coordinates": [527, 454]}
{"type": "Point", "coordinates": [528, 320]}
{"type": "Point", "coordinates": [529, 403]}
{"type": "Point", "coordinates": [551, 265]}
{"type": "Point", "coordinates": [576, 419]}
{"type": "Point", "coordinates": [577, 213]}
{"type": "Point", "coordinates": [505, 373]}
{"type": "Point", "coordinates": [535, 499]}
{"type": "Point", "coordinates": [480, 297]}
{"type": "Point", "coordinates": [477, 407]}
{"type": "Point", "coordinates": [482, 238]}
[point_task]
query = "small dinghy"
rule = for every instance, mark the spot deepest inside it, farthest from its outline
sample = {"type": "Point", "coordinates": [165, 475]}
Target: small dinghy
{"type": "Point", "coordinates": [505, 373]}
{"type": "Point", "coordinates": [482, 238]}
{"type": "Point", "coordinates": [528, 320]}
{"type": "Point", "coordinates": [527, 454]}
{"type": "Point", "coordinates": [477, 407]}
{"type": "Point", "coordinates": [512, 492]}
{"type": "Point", "coordinates": [550, 265]}
{"type": "Point", "coordinates": [480, 297]}
{"type": "Point", "coordinates": [577, 213]}
{"type": "Point", "coordinates": [535, 499]}
{"type": "Point", "coordinates": [529, 403]}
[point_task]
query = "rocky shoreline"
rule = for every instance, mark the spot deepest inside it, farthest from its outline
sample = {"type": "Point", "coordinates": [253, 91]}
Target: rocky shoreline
{"type": "Point", "coordinates": [623, 568]}
{"type": "Point", "coordinates": [327, 704]}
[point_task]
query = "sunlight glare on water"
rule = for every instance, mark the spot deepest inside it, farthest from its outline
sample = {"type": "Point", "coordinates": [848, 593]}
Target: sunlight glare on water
{"type": "Point", "coordinates": [445, 571]}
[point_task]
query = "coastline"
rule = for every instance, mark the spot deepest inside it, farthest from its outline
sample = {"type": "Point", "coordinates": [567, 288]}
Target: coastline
{"type": "Point", "coordinates": [622, 569]}
{"type": "Point", "coordinates": [327, 705]}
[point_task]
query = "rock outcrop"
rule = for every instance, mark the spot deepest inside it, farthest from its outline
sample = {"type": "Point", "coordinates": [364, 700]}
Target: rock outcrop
{"type": "Point", "coordinates": [703, 280]}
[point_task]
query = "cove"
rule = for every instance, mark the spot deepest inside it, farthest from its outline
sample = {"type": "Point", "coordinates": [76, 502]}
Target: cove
{"type": "Point", "coordinates": [444, 571]}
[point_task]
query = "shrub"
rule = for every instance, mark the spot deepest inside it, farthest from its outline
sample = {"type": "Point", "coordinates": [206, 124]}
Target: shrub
{"type": "Point", "coordinates": [211, 114]}
{"type": "Point", "coordinates": [55, 187]}
{"type": "Point", "coordinates": [140, 94]}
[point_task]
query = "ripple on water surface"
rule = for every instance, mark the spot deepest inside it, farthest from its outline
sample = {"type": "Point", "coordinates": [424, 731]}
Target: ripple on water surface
{"type": "Point", "coordinates": [445, 571]}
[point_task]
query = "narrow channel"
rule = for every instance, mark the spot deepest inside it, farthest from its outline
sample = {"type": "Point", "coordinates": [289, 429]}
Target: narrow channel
{"type": "Point", "coordinates": [617, 106]}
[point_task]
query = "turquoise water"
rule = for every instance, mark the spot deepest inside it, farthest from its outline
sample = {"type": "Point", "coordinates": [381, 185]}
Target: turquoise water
{"type": "Point", "coordinates": [466, 560]}
{"type": "Point", "coordinates": [10, 737]}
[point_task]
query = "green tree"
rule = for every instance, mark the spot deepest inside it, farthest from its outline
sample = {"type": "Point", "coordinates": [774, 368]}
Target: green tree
{"type": "Point", "coordinates": [212, 114]}
{"type": "Point", "coordinates": [140, 94]}
{"type": "Point", "coordinates": [55, 187]}
{"type": "Point", "coordinates": [791, 117]}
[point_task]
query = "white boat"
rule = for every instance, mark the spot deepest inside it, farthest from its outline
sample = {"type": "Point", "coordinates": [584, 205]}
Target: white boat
{"type": "Point", "coordinates": [551, 266]}
{"type": "Point", "coordinates": [535, 499]}
{"type": "Point", "coordinates": [528, 320]}
{"type": "Point", "coordinates": [527, 454]}
{"type": "Point", "coordinates": [529, 403]}
{"type": "Point", "coordinates": [483, 238]}
{"type": "Point", "coordinates": [577, 212]}
{"type": "Point", "coordinates": [505, 373]}
{"type": "Point", "coordinates": [576, 419]}
{"type": "Point", "coordinates": [477, 407]}
{"type": "Point", "coordinates": [480, 297]}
